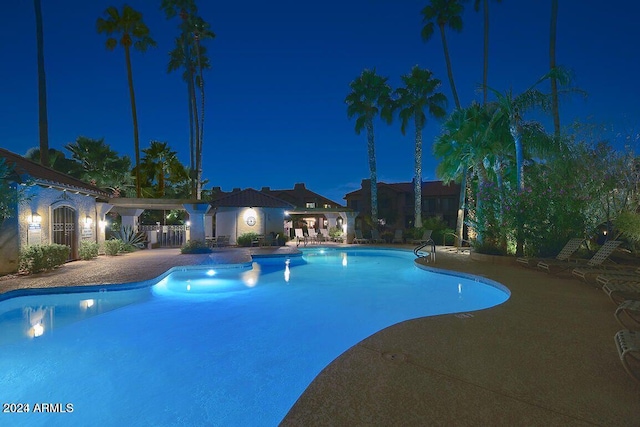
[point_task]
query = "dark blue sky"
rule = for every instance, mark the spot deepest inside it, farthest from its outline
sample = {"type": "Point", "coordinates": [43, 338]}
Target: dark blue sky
{"type": "Point", "coordinates": [281, 70]}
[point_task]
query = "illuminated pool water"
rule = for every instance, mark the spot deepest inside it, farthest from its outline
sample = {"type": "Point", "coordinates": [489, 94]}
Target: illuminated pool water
{"type": "Point", "coordinates": [213, 346]}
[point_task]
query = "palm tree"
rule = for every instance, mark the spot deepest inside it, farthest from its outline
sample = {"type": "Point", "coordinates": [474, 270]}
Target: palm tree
{"type": "Point", "coordinates": [552, 56]}
{"type": "Point", "coordinates": [161, 164]}
{"type": "Point", "coordinates": [43, 123]}
{"type": "Point", "coordinates": [485, 68]}
{"type": "Point", "coordinates": [99, 165]}
{"type": "Point", "coordinates": [133, 32]}
{"type": "Point", "coordinates": [370, 96]}
{"type": "Point", "coordinates": [419, 94]}
{"type": "Point", "coordinates": [447, 13]}
{"type": "Point", "coordinates": [443, 13]}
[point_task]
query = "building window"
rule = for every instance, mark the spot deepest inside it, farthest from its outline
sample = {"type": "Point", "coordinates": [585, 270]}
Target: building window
{"type": "Point", "coordinates": [327, 206]}
{"type": "Point", "coordinates": [310, 205]}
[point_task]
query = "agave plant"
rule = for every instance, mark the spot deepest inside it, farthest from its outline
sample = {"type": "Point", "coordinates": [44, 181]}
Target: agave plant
{"type": "Point", "coordinates": [130, 238]}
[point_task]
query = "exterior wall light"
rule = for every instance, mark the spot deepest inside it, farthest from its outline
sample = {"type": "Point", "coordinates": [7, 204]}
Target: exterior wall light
{"type": "Point", "coordinates": [102, 224]}
{"type": "Point", "coordinates": [35, 218]}
{"type": "Point", "coordinates": [88, 220]}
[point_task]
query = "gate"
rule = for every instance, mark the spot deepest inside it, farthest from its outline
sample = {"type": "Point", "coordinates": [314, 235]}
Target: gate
{"type": "Point", "coordinates": [64, 229]}
{"type": "Point", "coordinates": [167, 236]}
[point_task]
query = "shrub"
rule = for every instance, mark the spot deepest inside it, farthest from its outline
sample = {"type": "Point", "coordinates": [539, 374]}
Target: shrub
{"type": "Point", "coordinates": [37, 258]}
{"type": "Point", "coordinates": [88, 250]}
{"type": "Point", "coordinates": [112, 246]}
{"type": "Point", "coordinates": [387, 236]}
{"type": "Point", "coordinates": [335, 232]}
{"type": "Point", "coordinates": [195, 247]}
{"type": "Point", "coordinates": [246, 239]}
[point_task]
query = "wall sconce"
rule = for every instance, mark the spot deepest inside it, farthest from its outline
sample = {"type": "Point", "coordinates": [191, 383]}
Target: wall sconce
{"type": "Point", "coordinates": [87, 221]}
{"type": "Point", "coordinates": [249, 217]}
{"type": "Point", "coordinates": [187, 224]}
{"type": "Point", "coordinates": [35, 218]}
{"type": "Point", "coordinates": [102, 224]}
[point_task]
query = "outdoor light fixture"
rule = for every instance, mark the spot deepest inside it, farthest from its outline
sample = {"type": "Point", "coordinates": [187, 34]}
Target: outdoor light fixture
{"type": "Point", "coordinates": [249, 217]}
{"type": "Point", "coordinates": [88, 221]}
{"type": "Point", "coordinates": [35, 218]}
{"type": "Point", "coordinates": [102, 224]}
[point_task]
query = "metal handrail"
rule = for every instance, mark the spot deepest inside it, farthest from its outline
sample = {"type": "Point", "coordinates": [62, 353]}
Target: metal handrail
{"type": "Point", "coordinates": [432, 253]}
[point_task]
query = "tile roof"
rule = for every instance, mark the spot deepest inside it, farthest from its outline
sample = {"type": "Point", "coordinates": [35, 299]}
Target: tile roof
{"type": "Point", "coordinates": [250, 198]}
{"type": "Point", "coordinates": [429, 188]}
{"type": "Point", "coordinates": [25, 169]}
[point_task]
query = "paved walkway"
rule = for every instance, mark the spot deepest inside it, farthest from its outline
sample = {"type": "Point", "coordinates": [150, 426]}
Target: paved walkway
{"type": "Point", "coordinates": [544, 357]}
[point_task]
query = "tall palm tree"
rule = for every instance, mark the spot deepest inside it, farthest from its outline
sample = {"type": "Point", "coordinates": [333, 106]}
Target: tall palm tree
{"type": "Point", "coordinates": [184, 9]}
{"type": "Point", "coordinates": [485, 68]}
{"type": "Point", "coordinates": [43, 122]}
{"type": "Point", "coordinates": [555, 109]}
{"type": "Point", "coordinates": [447, 13]}
{"type": "Point", "coordinates": [370, 96]}
{"type": "Point", "coordinates": [132, 32]}
{"type": "Point", "coordinates": [420, 93]}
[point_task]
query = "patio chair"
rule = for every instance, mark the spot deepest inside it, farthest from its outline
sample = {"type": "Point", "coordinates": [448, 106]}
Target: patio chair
{"type": "Point", "coordinates": [375, 237]}
{"type": "Point", "coordinates": [300, 237]}
{"type": "Point", "coordinates": [398, 237]}
{"type": "Point", "coordinates": [564, 255]}
{"type": "Point", "coordinates": [597, 259]}
{"type": "Point", "coordinates": [359, 238]}
{"type": "Point", "coordinates": [426, 236]}
{"type": "Point", "coordinates": [628, 345]}
{"type": "Point", "coordinates": [313, 235]}
{"type": "Point", "coordinates": [628, 314]}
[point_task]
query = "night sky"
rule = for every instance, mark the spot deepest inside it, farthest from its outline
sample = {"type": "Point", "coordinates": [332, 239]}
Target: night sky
{"type": "Point", "coordinates": [275, 110]}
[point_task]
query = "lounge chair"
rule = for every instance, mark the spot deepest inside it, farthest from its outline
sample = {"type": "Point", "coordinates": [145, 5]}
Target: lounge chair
{"type": "Point", "coordinates": [375, 237]}
{"type": "Point", "coordinates": [628, 345]}
{"type": "Point", "coordinates": [595, 264]}
{"type": "Point", "coordinates": [603, 253]}
{"type": "Point", "coordinates": [564, 255]}
{"type": "Point", "coordinates": [628, 314]}
{"type": "Point", "coordinates": [324, 235]}
{"type": "Point", "coordinates": [620, 291]}
{"type": "Point", "coordinates": [313, 235]}
{"type": "Point", "coordinates": [222, 241]}
{"type": "Point", "coordinates": [426, 236]}
{"type": "Point", "coordinates": [359, 238]}
{"type": "Point", "coordinates": [398, 237]}
{"type": "Point", "coordinates": [618, 276]}
{"type": "Point", "coordinates": [300, 237]}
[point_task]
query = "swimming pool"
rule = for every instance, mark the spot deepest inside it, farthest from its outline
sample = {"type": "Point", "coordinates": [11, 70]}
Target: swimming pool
{"type": "Point", "coordinates": [213, 346]}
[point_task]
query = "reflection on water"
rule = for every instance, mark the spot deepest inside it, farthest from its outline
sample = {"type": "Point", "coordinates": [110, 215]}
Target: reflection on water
{"type": "Point", "coordinates": [31, 317]}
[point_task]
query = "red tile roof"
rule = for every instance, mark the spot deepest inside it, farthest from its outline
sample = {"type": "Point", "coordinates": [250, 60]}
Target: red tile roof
{"type": "Point", "coordinates": [25, 169]}
{"type": "Point", "coordinates": [250, 198]}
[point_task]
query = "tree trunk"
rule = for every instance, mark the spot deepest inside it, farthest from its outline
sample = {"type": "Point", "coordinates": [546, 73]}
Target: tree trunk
{"type": "Point", "coordinates": [463, 183]}
{"type": "Point", "coordinates": [371, 151]}
{"type": "Point", "coordinates": [417, 180]}
{"type": "Point", "coordinates": [554, 82]}
{"type": "Point", "coordinates": [449, 70]}
{"type": "Point", "coordinates": [43, 123]}
{"type": "Point", "coordinates": [134, 115]}
{"type": "Point", "coordinates": [485, 70]}
{"type": "Point", "coordinates": [201, 136]}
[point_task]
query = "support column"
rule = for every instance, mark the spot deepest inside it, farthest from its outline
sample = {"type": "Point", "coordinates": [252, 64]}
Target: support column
{"type": "Point", "coordinates": [349, 225]}
{"type": "Point", "coordinates": [102, 209]}
{"type": "Point", "coordinates": [197, 212]}
{"type": "Point", "coordinates": [130, 217]}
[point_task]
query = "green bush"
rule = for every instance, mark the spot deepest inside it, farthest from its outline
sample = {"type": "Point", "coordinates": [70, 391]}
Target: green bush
{"type": "Point", "coordinates": [112, 246]}
{"type": "Point", "coordinates": [88, 250]}
{"type": "Point", "coordinates": [37, 258]}
{"type": "Point", "coordinates": [195, 247]}
{"type": "Point", "coordinates": [246, 239]}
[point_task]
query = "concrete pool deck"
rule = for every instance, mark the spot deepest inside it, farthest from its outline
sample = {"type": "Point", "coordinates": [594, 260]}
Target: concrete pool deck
{"type": "Point", "coordinates": [544, 357]}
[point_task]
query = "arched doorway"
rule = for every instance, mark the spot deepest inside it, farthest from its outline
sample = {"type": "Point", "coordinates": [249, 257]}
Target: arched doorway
{"type": "Point", "coordinates": [64, 229]}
